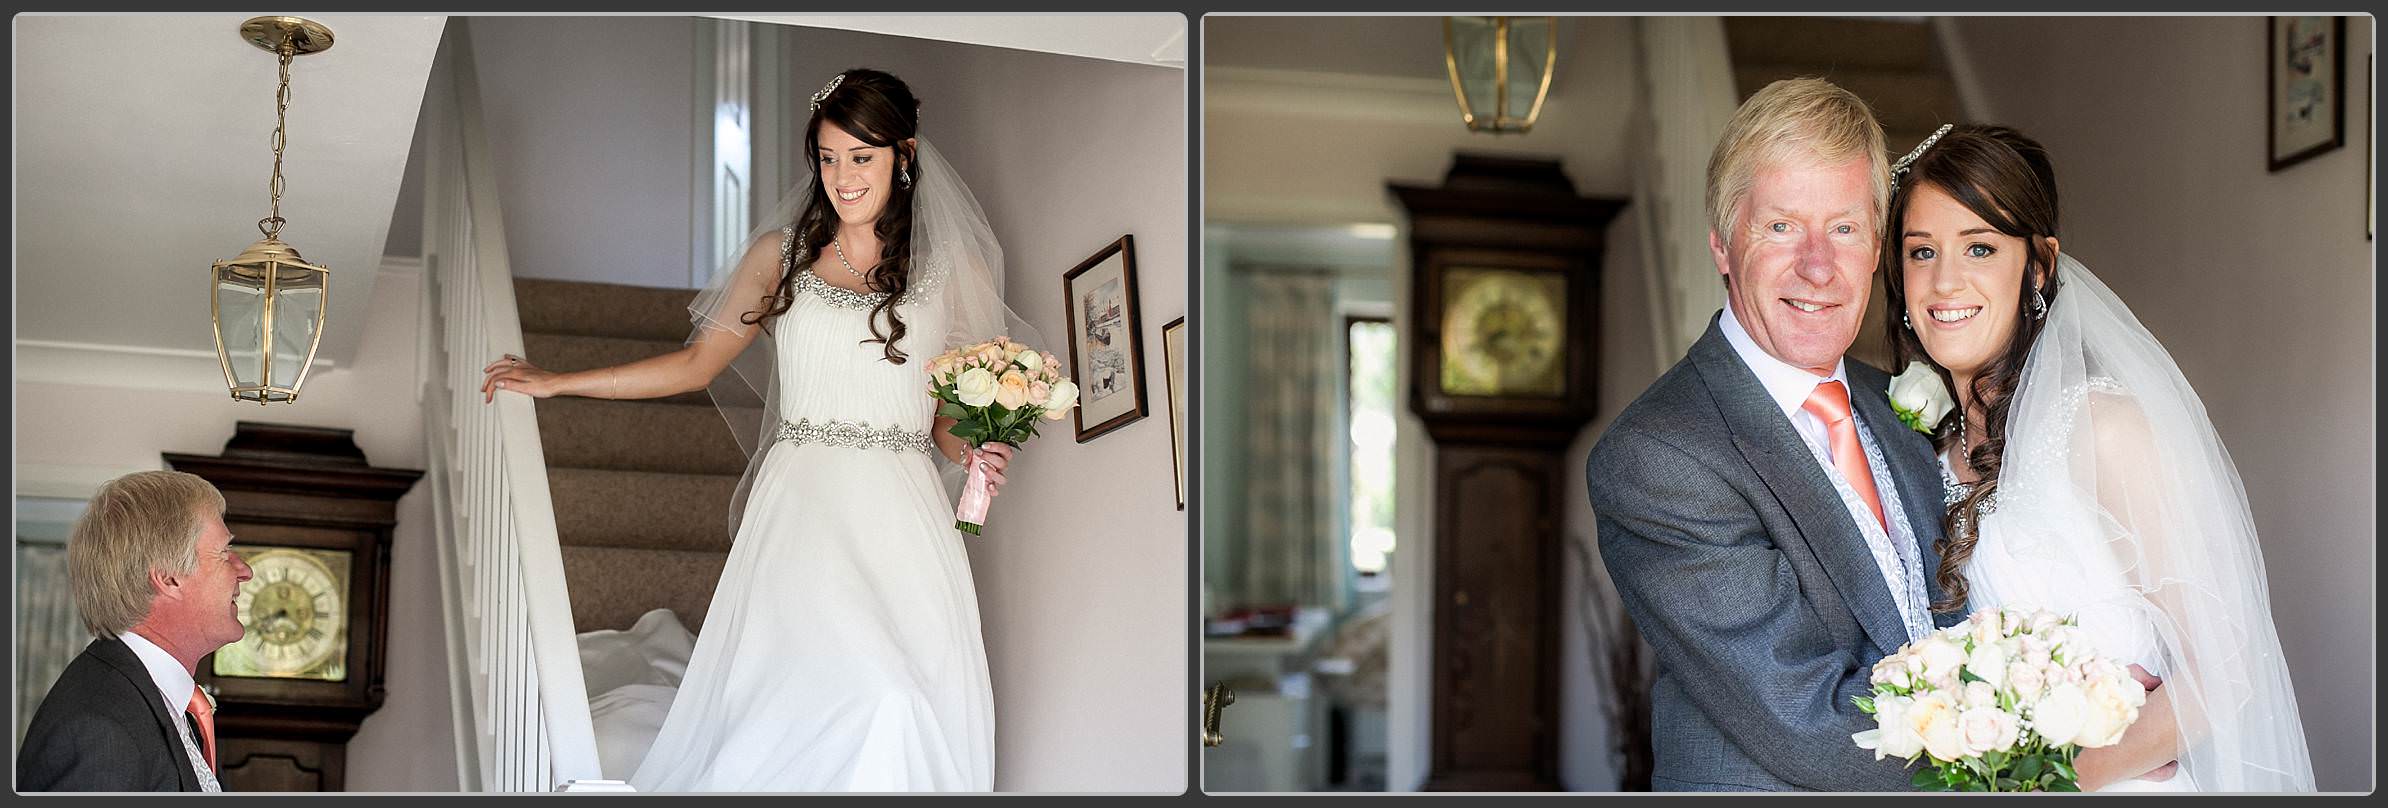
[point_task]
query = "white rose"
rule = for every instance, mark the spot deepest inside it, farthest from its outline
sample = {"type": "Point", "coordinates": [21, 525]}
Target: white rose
{"type": "Point", "coordinates": [1989, 663]}
{"type": "Point", "coordinates": [1934, 717]}
{"type": "Point", "coordinates": [1065, 396]}
{"type": "Point", "coordinates": [2044, 621]}
{"type": "Point", "coordinates": [1031, 361]}
{"type": "Point", "coordinates": [1891, 736]}
{"type": "Point", "coordinates": [1918, 392]}
{"type": "Point", "coordinates": [1987, 729]}
{"type": "Point", "coordinates": [2070, 644]}
{"type": "Point", "coordinates": [2018, 620]}
{"type": "Point", "coordinates": [1986, 627]}
{"type": "Point", "coordinates": [2036, 650]}
{"type": "Point", "coordinates": [2112, 707]}
{"type": "Point", "coordinates": [2058, 716]}
{"type": "Point", "coordinates": [1941, 657]}
{"type": "Point", "coordinates": [1892, 672]}
{"type": "Point", "coordinates": [2025, 679]}
{"type": "Point", "coordinates": [976, 387]}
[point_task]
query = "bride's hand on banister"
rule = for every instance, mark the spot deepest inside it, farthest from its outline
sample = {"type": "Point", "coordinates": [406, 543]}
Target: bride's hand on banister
{"type": "Point", "coordinates": [516, 374]}
{"type": "Point", "coordinates": [994, 456]}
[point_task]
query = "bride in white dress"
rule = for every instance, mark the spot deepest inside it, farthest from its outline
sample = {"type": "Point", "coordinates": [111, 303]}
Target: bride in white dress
{"type": "Point", "coordinates": [841, 651]}
{"type": "Point", "coordinates": [2082, 473]}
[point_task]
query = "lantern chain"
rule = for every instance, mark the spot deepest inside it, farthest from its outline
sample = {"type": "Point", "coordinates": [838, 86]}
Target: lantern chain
{"type": "Point", "coordinates": [271, 225]}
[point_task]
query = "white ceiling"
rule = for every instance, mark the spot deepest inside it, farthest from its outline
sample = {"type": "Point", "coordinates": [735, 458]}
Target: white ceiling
{"type": "Point", "coordinates": [142, 154]}
{"type": "Point", "coordinates": [1153, 39]}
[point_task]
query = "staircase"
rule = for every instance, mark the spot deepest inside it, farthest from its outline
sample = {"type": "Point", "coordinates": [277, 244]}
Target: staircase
{"type": "Point", "coordinates": [1895, 65]}
{"type": "Point", "coordinates": [641, 488]}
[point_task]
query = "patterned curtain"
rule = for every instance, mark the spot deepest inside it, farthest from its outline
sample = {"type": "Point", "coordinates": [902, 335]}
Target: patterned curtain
{"type": "Point", "coordinates": [49, 632]}
{"type": "Point", "coordinates": [1293, 552]}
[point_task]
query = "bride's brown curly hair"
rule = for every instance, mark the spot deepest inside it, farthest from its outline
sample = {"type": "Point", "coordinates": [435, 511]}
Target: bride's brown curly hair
{"type": "Point", "coordinates": [2006, 179]}
{"type": "Point", "coordinates": [879, 109]}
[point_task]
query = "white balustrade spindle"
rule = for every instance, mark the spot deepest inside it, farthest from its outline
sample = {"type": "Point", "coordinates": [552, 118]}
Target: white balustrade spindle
{"type": "Point", "coordinates": [525, 725]}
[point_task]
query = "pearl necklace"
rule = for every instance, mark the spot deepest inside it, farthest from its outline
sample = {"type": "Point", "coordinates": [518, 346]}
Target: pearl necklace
{"type": "Point", "coordinates": [841, 259]}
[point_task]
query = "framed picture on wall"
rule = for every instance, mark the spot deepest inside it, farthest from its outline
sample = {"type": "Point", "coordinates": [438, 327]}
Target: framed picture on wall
{"type": "Point", "coordinates": [1173, 358]}
{"type": "Point", "coordinates": [2306, 91]}
{"type": "Point", "coordinates": [1106, 339]}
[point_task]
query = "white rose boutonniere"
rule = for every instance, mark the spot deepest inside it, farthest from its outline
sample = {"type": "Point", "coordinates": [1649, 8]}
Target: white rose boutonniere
{"type": "Point", "coordinates": [1919, 397]}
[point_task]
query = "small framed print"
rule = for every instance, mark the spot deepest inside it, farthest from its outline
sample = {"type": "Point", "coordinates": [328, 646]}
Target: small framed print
{"type": "Point", "coordinates": [2305, 95]}
{"type": "Point", "coordinates": [1106, 339]}
{"type": "Point", "coordinates": [1173, 353]}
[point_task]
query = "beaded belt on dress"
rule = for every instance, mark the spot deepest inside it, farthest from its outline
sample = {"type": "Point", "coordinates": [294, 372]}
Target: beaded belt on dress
{"type": "Point", "coordinates": [856, 435]}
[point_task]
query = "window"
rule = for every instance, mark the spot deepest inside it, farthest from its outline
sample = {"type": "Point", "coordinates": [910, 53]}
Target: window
{"type": "Point", "coordinates": [1371, 353]}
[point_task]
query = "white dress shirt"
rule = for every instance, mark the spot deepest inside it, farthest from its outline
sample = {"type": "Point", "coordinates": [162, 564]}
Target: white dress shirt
{"type": "Point", "coordinates": [174, 686]}
{"type": "Point", "coordinates": [1895, 553]}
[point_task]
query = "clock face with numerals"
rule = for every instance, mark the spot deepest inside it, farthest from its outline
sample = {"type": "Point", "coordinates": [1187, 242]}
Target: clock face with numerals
{"type": "Point", "coordinates": [1504, 333]}
{"type": "Point", "coordinates": [295, 610]}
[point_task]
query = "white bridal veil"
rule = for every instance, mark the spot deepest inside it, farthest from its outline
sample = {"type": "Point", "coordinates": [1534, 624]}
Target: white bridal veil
{"type": "Point", "coordinates": [2103, 419]}
{"type": "Point", "coordinates": [957, 270]}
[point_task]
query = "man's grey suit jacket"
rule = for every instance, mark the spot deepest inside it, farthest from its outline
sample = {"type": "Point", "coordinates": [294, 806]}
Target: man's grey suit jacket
{"type": "Point", "coordinates": [1737, 559]}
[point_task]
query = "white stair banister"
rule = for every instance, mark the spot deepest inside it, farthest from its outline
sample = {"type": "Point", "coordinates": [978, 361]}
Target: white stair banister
{"type": "Point", "coordinates": [525, 725]}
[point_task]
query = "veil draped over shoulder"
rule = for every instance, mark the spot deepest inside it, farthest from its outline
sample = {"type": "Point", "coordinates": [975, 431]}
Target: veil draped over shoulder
{"type": "Point", "coordinates": [2103, 419]}
{"type": "Point", "coordinates": [956, 265]}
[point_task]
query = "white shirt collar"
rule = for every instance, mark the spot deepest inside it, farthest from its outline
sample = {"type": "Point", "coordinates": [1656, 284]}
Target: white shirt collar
{"type": "Point", "coordinates": [1788, 384]}
{"type": "Point", "coordinates": [174, 683]}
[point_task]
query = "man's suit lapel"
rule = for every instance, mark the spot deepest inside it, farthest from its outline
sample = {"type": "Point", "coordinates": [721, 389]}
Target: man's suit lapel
{"type": "Point", "coordinates": [121, 657]}
{"type": "Point", "coordinates": [1914, 467]}
{"type": "Point", "coordinates": [1783, 462]}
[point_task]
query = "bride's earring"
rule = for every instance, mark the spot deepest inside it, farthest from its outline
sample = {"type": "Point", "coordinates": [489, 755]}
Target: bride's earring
{"type": "Point", "coordinates": [904, 177]}
{"type": "Point", "coordinates": [2039, 305]}
{"type": "Point", "coordinates": [1909, 324]}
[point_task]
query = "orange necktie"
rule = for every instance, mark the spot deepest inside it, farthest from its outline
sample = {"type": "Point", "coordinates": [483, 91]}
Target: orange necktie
{"type": "Point", "coordinates": [1830, 403]}
{"type": "Point", "coordinates": [206, 715]}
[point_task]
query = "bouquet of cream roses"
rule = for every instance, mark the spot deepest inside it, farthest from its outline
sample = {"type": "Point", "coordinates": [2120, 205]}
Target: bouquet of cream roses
{"type": "Point", "coordinates": [2001, 702]}
{"type": "Point", "coordinates": [996, 391]}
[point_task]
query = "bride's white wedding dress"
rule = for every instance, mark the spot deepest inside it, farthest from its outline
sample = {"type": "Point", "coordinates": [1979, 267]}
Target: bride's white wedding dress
{"type": "Point", "coordinates": [841, 651]}
{"type": "Point", "coordinates": [2117, 504]}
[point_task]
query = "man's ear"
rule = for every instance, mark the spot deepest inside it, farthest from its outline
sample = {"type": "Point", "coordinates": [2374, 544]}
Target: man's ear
{"type": "Point", "coordinates": [164, 585]}
{"type": "Point", "coordinates": [1716, 251]}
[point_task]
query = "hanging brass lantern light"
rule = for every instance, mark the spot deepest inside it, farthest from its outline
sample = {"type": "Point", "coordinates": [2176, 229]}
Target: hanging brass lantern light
{"type": "Point", "coordinates": [267, 302]}
{"type": "Point", "coordinates": [1500, 69]}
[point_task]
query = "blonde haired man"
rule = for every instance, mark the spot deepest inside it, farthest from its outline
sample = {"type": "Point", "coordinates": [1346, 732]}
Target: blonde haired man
{"type": "Point", "coordinates": [1768, 521]}
{"type": "Point", "coordinates": [153, 574]}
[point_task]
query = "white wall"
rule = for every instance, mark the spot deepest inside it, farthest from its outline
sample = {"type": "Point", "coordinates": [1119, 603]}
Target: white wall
{"type": "Point", "coordinates": [1082, 573]}
{"type": "Point", "coordinates": [2260, 284]}
{"type": "Point", "coordinates": [1627, 367]}
{"type": "Point", "coordinates": [590, 129]}
{"type": "Point", "coordinates": [87, 418]}
{"type": "Point", "coordinates": [1286, 142]}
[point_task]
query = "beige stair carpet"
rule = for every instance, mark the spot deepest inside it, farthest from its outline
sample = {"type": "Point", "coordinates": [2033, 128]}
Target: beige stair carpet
{"type": "Point", "coordinates": [641, 488]}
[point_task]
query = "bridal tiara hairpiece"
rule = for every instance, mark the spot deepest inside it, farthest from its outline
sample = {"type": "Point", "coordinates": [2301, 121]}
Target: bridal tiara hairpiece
{"type": "Point", "coordinates": [823, 95]}
{"type": "Point", "coordinates": [1908, 161]}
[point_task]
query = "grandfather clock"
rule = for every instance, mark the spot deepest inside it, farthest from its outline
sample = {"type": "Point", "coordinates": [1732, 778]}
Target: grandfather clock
{"type": "Point", "coordinates": [1505, 284]}
{"type": "Point", "coordinates": [313, 520]}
